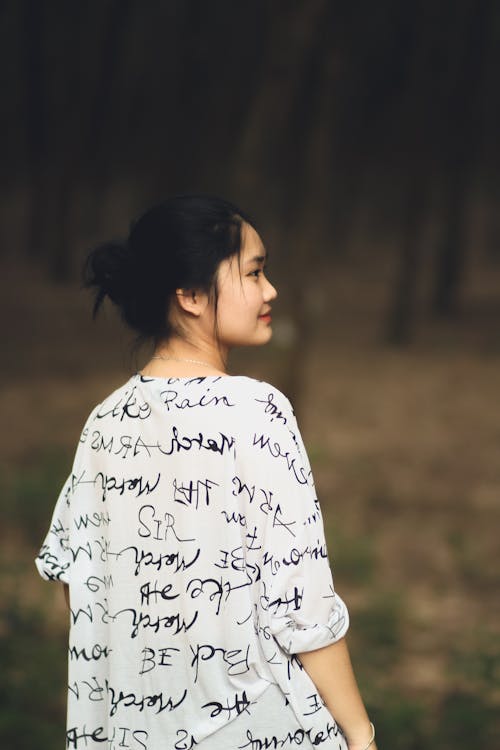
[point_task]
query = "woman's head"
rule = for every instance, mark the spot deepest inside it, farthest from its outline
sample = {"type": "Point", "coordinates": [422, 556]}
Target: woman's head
{"type": "Point", "coordinates": [177, 252]}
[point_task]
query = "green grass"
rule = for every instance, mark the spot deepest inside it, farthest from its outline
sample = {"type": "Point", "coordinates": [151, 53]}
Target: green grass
{"type": "Point", "coordinates": [477, 666]}
{"type": "Point", "coordinates": [353, 558]}
{"type": "Point", "coordinates": [466, 715]}
{"type": "Point", "coordinates": [33, 658]}
{"type": "Point", "coordinates": [29, 494]}
{"type": "Point", "coordinates": [466, 719]}
{"type": "Point", "coordinates": [32, 651]}
{"type": "Point", "coordinates": [400, 721]}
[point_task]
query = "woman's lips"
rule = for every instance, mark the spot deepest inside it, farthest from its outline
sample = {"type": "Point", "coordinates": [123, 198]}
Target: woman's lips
{"type": "Point", "coordinates": [266, 317]}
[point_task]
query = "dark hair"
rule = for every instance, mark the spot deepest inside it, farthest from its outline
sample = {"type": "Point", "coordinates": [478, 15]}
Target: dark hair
{"type": "Point", "coordinates": [177, 244]}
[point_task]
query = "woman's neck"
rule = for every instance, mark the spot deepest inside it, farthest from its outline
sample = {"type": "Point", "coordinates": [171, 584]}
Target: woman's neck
{"type": "Point", "coordinates": [182, 359]}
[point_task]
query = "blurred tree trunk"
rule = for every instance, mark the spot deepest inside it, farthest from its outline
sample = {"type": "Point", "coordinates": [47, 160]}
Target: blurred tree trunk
{"type": "Point", "coordinates": [279, 149]}
{"type": "Point", "coordinates": [88, 110]}
{"type": "Point", "coordinates": [308, 236]}
{"type": "Point", "coordinates": [36, 127]}
{"type": "Point", "coordinates": [262, 153]}
{"type": "Point", "coordinates": [422, 112]}
{"type": "Point", "coordinates": [102, 106]}
{"type": "Point", "coordinates": [413, 122]}
{"type": "Point", "coordinates": [400, 324]}
{"type": "Point", "coordinates": [450, 259]}
{"type": "Point", "coordinates": [463, 89]}
{"type": "Point", "coordinates": [68, 106]}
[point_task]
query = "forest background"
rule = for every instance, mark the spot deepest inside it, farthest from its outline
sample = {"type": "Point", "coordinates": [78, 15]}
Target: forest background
{"type": "Point", "coordinates": [364, 138]}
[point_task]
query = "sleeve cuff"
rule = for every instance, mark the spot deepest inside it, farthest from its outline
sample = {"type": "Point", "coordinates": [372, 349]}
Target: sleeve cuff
{"type": "Point", "coordinates": [295, 637]}
{"type": "Point", "coordinates": [50, 567]}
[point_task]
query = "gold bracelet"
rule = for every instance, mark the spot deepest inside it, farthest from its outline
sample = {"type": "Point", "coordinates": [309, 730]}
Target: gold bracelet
{"type": "Point", "coordinates": [372, 738]}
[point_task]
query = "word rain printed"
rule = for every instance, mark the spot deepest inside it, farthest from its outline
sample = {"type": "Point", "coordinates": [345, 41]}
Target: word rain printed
{"type": "Point", "coordinates": [192, 541]}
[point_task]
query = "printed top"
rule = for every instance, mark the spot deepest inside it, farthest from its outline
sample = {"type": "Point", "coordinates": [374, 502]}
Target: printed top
{"type": "Point", "coordinates": [192, 541]}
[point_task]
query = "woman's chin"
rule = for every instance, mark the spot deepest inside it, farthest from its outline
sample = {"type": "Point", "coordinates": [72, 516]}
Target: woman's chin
{"type": "Point", "coordinates": [265, 336]}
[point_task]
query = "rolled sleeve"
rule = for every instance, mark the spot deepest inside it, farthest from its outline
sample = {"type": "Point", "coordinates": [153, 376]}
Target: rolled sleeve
{"type": "Point", "coordinates": [54, 558]}
{"type": "Point", "coordinates": [297, 603]}
{"type": "Point", "coordinates": [296, 635]}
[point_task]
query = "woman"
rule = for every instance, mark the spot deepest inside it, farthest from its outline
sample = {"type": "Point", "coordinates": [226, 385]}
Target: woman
{"type": "Point", "coordinates": [188, 535]}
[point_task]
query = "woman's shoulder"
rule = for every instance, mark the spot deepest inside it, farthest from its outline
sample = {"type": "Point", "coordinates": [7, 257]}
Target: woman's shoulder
{"type": "Point", "coordinates": [247, 398]}
{"type": "Point", "coordinates": [257, 389]}
{"type": "Point", "coordinates": [263, 401]}
{"type": "Point", "coordinates": [251, 399]}
{"type": "Point", "coordinates": [243, 387]}
{"type": "Point", "coordinates": [119, 395]}
{"type": "Point", "coordinates": [116, 402]}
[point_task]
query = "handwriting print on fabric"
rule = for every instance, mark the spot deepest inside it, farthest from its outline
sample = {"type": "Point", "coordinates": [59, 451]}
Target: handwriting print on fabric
{"type": "Point", "coordinates": [191, 537]}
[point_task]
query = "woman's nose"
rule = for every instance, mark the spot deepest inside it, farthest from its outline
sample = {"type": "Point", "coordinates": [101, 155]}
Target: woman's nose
{"type": "Point", "coordinates": [270, 292]}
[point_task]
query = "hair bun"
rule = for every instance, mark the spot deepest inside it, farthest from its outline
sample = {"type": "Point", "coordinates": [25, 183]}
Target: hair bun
{"type": "Point", "coordinates": [108, 270]}
{"type": "Point", "coordinates": [178, 244]}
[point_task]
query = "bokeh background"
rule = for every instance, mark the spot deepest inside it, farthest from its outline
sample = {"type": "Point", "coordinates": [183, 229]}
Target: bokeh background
{"type": "Point", "coordinates": [364, 139]}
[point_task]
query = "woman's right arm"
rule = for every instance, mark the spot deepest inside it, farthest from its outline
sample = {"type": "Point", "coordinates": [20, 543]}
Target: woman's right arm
{"type": "Point", "coordinates": [298, 604]}
{"type": "Point", "coordinates": [331, 671]}
{"type": "Point", "coordinates": [66, 594]}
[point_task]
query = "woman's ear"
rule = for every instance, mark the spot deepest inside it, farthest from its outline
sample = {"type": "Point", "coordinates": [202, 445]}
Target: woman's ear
{"type": "Point", "coordinates": [192, 301]}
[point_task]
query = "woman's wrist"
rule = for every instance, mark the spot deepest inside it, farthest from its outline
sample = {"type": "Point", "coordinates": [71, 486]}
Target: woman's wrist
{"type": "Point", "coordinates": [363, 738]}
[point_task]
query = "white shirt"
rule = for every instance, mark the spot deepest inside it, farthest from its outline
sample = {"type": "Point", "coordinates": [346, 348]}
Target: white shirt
{"type": "Point", "coordinates": [192, 541]}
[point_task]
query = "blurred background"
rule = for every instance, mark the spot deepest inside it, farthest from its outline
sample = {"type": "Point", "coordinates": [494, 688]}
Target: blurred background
{"type": "Point", "coordinates": [364, 139]}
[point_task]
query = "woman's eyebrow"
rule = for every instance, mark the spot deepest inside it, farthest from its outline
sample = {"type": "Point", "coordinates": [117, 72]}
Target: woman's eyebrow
{"type": "Point", "coordinates": [258, 259]}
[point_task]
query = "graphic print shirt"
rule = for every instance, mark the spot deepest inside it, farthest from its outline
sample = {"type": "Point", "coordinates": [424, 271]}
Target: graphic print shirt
{"type": "Point", "coordinates": [192, 541]}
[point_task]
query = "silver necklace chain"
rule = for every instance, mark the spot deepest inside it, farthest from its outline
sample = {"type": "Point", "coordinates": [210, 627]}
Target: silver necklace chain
{"type": "Point", "coordinates": [179, 359]}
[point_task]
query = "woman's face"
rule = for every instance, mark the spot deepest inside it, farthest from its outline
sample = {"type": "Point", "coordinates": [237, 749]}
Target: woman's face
{"type": "Point", "coordinates": [245, 294]}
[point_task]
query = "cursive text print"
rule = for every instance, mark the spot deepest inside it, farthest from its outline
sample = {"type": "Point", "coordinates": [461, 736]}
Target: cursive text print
{"type": "Point", "coordinates": [191, 538]}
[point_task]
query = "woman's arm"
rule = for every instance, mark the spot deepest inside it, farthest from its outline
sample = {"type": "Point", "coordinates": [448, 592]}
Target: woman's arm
{"type": "Point", "coordinates": [66, 593]}
{"type": "Point", "coordinates": [331, 671]}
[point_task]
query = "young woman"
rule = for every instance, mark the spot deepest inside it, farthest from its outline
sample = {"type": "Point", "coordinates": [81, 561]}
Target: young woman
{"type": "Point", "coordinates": [188, 535]}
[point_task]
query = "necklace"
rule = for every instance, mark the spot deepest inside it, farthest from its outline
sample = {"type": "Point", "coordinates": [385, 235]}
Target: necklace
{"type": "Point", "coordinates": [179, 359]}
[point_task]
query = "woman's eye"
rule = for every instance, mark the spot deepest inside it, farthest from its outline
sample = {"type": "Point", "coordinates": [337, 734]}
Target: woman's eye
{"type": "Point", "coordinates": [256, 273]}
